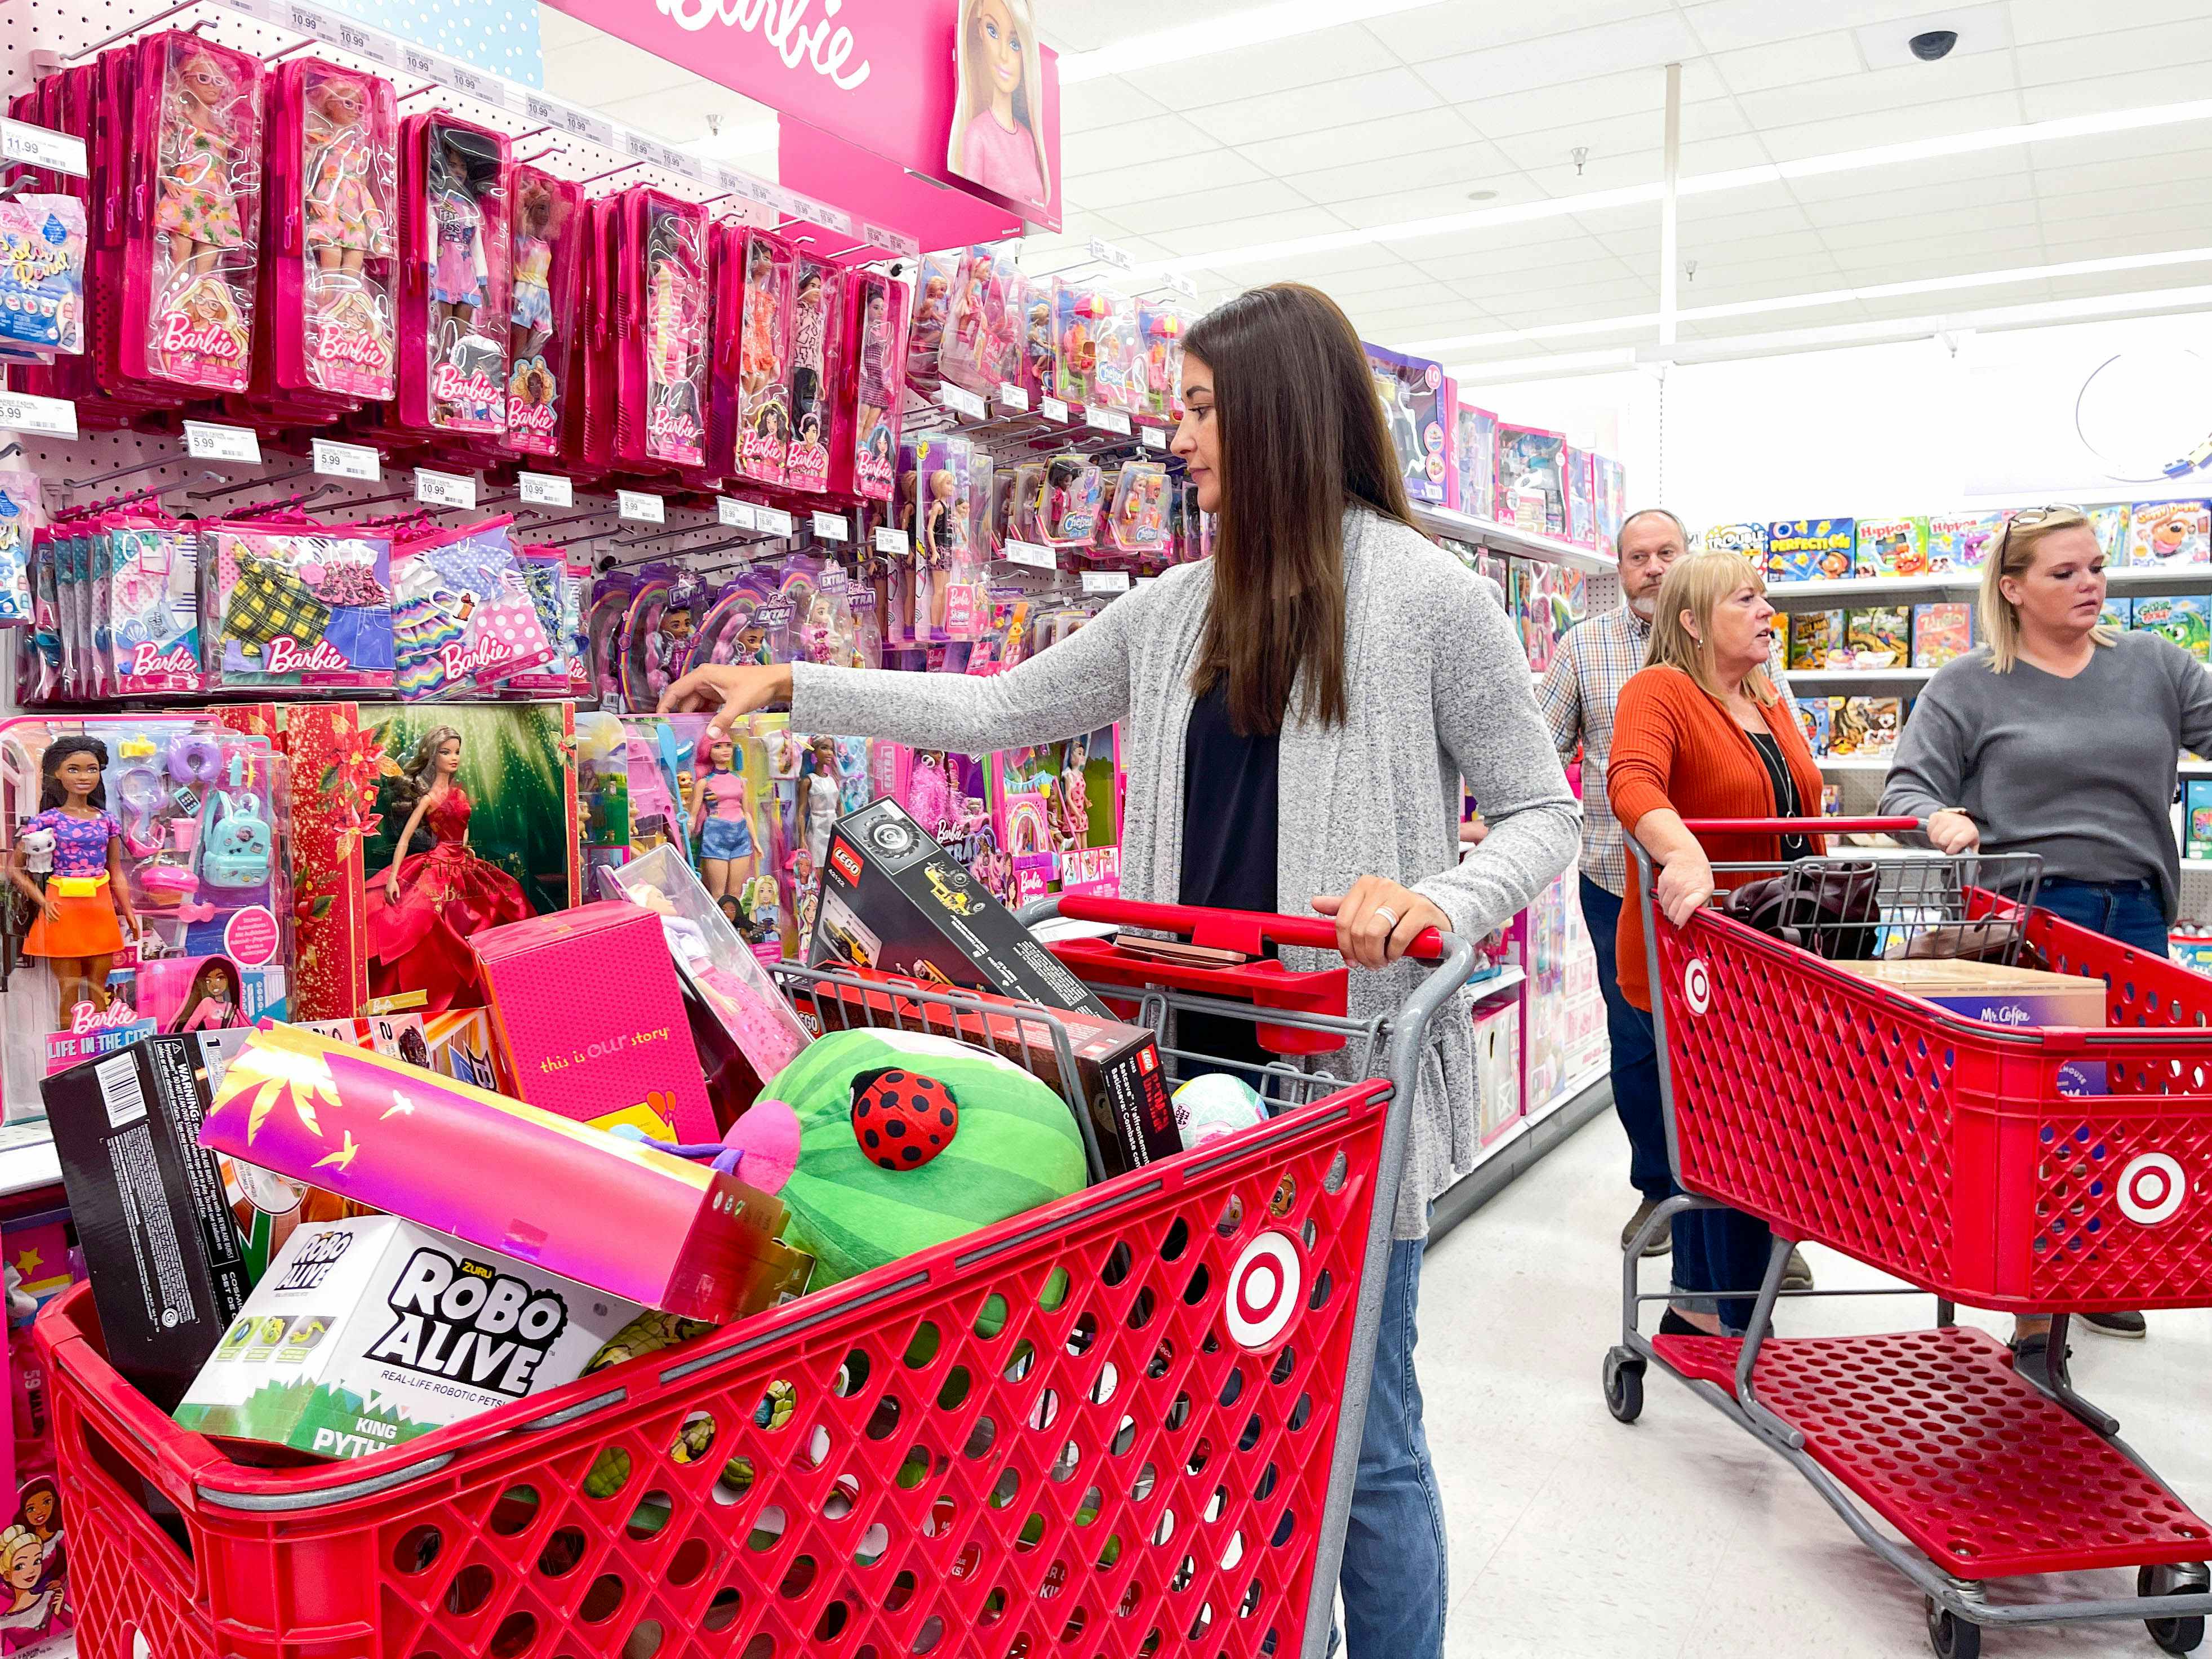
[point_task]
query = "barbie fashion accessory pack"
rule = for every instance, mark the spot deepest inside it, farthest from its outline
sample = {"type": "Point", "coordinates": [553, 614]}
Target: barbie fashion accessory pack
{"type": "Point", "coordinates": [334, 230]}
{"type": "Point", "coordinates": [454, 293]}
{"type": "Point", "coordinates": [295, 608]}
{"type": "Point", "coordinates": [195, 214]}
{"type": "Point", "coordinates": [461, 615]}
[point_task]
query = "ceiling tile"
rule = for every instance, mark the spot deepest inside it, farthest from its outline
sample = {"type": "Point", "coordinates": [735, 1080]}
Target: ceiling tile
{"type": "Point", "coordinates": [1723, 25]}
{"type": "Point", "coordinates": [1322, 268]}
{"type": "Point", "coordinates": [1961, 174]}
{"type": "Point", "coordinates": [1178, 209]}
{"type": "Point", "coordinates": [1378, 139]}
{"type": "Point", "coordinates": [1239, 232]}
{"type": "Point", "coordinates": [1558, 176]}
{"type": "Point", "coordinates": [2129, 282]}
{"type": "Point", "coordinates": [1280, 114]}
{"type": "Point", "coordinates": [1645, 43]}
{"type": "Point", "coordinates": [2035, 22]}
{"type": "Point", "coordinates": [1138, 182]}
{"type": "Point", "coordinates": [2116, 51]}
{"type": "Point", "coordinates": [1809, 57]}
{"type": "Point", "coordinates": [1642, 132]}
{"type": "Point", "coordinates": [1408, 206]}
{"type": "Point", "coordinates": [1304, 60]}
{"type": "Point", "coordinates": [1087, 25]}
{"type": "Point", "coordinates": [1506, 109]}
{"type": "Point", "coordinates": [2149, 148]}
{"type": "Point", "coordinates": [1408, 322]}
{"type": "Point", "coordinates": [1439, 31]}
{"type": "Point", "coordinates": [1727, 214]}
{"type": "Point", "coordinates": [1903, 236]}
{"type": "Point", "coordinates": [2158, 83]}
{"type": "Point", "coordinates": [1108, 101]}
{"type": "Point", "coordinates": [2118, 175]}
{"type": "Point", "coordinates": [1443, 174]}
{"type": "Point", "coordinates": [1952, 115]}
{"type": "Point", "coordinates": [1103, 149]}
{"type": "Point", "coordinates": [2113, 244]}
{"type": "Point", "coordinates": [2188, 200]}
{"type": "Point", "coordinates": [1873, 94]}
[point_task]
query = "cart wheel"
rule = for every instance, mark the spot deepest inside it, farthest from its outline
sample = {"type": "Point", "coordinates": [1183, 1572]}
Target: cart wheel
{"type": "Point", "coordinates": [1624, 1383]}
{"type": "Point", "coordinates": [1951, 1636]}
{"type": "Point", "coordinates": [2174, 1635]}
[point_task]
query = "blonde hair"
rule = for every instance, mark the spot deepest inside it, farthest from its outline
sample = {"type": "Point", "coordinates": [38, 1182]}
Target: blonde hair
{"type": "Point", "coordinates": [1697, 584]}
{"type": "Point", "coordinates": [2012, 555]}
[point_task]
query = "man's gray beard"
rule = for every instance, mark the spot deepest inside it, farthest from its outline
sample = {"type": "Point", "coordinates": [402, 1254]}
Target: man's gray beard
{"type": "Point", "coordinates": [1644, 608]}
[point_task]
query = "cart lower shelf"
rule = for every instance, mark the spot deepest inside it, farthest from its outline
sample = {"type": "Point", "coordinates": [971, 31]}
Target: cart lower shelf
{"type": "Point", "coordinates": [1935, 1432]}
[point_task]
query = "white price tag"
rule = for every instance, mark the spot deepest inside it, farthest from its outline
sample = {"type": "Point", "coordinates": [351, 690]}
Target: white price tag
{"type": "Point", "coordinates": [1013, 397]}
{"type": "Point", "coordinates": [338, 460]}
{"type": "Point", "coordinates": [20, 412]}
{"type": "Point", "coordinates": [891, 541]}
{"type": "Point", "coordinates": [1155, 439]}
{"type": "Point", "coordinates": [363, 42]}
{"type": "Point", "coordinates": [544, 489]}
{"type": "Point", "coordinates": [302, 20]}
{"type": "Point", "coordinates": [1143, 580]}
{"type": "Point", "coordinates": [961, 401]}
{"type": "Point", "coordinates": [1182, 285]}
{"type": "Point", "coordinates": [832, 527]}
{"type": "Point", "coordinates": [41, 146]}
{"type": "Point", "coordinates": [773, 520]}
{"type": "Point", "coordinates": [1033, 553]}
{"type": "Point", "coordinates": [735, 516]}
{"type": "Point", "coordinates": [1107, 254]}
{"type": "Point", "coordinates": [640, 507]}
{"type": "Point", "coordinates": [1053, 409]}
{"type": "Point", "coordinates": [444, 488]}
{"type": "Point", "coordinates": [1105, 581]}
{"type": "Point", "coordinates": [1107, 420]}
{"type": "Point", "coordinates": [206, 441]}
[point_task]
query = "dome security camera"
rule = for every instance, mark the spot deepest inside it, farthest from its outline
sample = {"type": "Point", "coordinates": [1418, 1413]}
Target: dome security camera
{"type": "Point", "coordinates": [1935, 43]}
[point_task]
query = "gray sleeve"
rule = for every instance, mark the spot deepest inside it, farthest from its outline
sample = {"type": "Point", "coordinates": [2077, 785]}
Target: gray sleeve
{"type": "Point", "coordinates": [1487, 722]}
{"type": "Point", "coordinates": [1930, 771]}
{"type": "Point", "coordinates": [1077, 686]}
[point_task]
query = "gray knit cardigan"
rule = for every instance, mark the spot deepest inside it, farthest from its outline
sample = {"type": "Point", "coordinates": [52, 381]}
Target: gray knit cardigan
{"type": "Point", "coordinates": [1438, 688]}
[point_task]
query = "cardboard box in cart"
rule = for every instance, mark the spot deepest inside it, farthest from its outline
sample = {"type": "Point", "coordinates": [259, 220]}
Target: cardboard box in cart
{"type": "Point", "coordinates": [2013, 997]}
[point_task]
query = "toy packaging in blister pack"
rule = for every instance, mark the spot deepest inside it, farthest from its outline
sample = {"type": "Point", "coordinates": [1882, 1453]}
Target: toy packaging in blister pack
{"type": "Point", "coordinates": [764, 356]}
{"type": "Point", "coordinates": [1136, 524]}
{"type": "Point", "coordinates": [588, 423]}
{"type": "Point", "coordinates": [1531, 488]}
{"type": "Point", "coordinates": [542, 313]}
{"type": "Point", "coordinates": [1610, 481]}
{"type": "Point", "coordinates": [153, 605]}
{"type": "Point", "coordinates": [554, 598]}
{"type": "Point", "coordinates": [462, 619]}
{"type": "Point", "coordinates": [939, 466]}
{"type": "Point", "coordinates": [666, 611]}
{"type": "Point", "coordinates": [817, 312]}
{"type": "Point", "coordinates": [195, 204]}
{"type": "Point", "coordinates": [333, 231]}
{"type": "Point", "coordinates": [42, 253]}
{"type": "Point", "coordinates": [195, 816]}
{"type": "Point", "coordinates": [1081, 318]}
{"type": "Point", "coordinates": [932, 306]}
{"type": "Point", "coordinates": [1412, 391]}
{"type": "Point", "coordinates": [864, 436]}
{"type": "Point", "coordinates": [296, 606]}
{"type": "Point", "coordinates": [663, 330]}
{"type": "Point", "coordinates": [455, 294]}
{"type": "Point", "coordinates": [1582, 497]}
{"type": "Point", "coordinates": [1475, 462]}
{"type": "Point", "coordinates": [1159, 342]}
{"type": "Point", "coordinates": [983, 340]}
{"type": "Point", "coordinates": [23, 513]}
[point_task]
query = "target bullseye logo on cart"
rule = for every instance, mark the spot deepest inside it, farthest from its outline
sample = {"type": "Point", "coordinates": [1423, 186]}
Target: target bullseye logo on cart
{"type": "Point", "coordinates": [1264, 1288]}
{"type": "Point", "coordinates": [1697, 985]}
{"type": "Point", "coordinates": [2151, 1188]}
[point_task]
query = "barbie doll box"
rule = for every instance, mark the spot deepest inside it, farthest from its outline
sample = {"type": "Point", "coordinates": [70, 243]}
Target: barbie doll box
{"type": "Point", "coordinates": [162, 1248]}
{"type": "Point", "coordinates": [624, 1041]}
{"type": "Point", "coordinates": [367, 1333]}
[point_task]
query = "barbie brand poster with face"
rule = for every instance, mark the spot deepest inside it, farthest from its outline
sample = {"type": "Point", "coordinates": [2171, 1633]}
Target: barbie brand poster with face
{"type": "Point", "coordinates": [997, 115]}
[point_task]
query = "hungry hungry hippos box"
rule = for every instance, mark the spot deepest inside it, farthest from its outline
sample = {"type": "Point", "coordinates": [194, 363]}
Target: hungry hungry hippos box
{"type": "Point", "coordinates": [366, 1333]}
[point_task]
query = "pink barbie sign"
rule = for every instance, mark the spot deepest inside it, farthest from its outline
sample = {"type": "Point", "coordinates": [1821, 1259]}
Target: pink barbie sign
{"type": "Point", "coordinates": [957, 90]}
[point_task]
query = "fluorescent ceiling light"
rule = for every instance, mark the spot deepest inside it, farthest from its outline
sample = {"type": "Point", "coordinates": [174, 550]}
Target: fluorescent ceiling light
{"type": "Point", "coordinates": [2030, 132]}
{"type": "Point", "coordinates": [1255, 26]}
{"type": "Point", "coordinates": [1833, 296]}
{"type": "Point", "coordinates": [748, 138]}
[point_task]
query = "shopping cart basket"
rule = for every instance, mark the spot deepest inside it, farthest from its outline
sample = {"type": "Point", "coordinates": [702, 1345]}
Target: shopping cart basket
{"type": "Point", "coordinates": [1124, 1424]}
{"type": "Point", "coordinates": [2033, 1169]}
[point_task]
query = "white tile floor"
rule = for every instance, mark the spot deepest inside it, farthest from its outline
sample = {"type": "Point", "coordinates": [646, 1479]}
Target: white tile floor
{"type": "Point", "coordinates": [1571, 1535]}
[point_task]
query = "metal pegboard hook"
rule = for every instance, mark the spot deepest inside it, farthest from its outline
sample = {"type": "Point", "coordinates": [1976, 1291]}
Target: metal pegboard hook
{"type": "Point", "coordinates": [119, 472]}
{"type": "Point", "coordinates": [251, 484]}
{"type": "Point", "coordinates": [661, 536]}
{"type": "Point", "coordinates": [128, 30]}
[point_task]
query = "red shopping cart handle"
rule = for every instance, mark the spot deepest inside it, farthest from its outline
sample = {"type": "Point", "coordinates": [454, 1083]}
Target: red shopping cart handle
{"type": "Point", "coordinates": [1227, 930]}
{"type": "Point", "coordinates": [1802, 826]}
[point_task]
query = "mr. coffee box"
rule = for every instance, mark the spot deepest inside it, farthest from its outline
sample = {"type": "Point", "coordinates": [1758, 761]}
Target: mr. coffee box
{"type": "Point", "coordinates": [1999, 995]}
{"type": "Point", "coordinates": [167, 1263]}
{"type": "Point", "coordinates": [365, 1334]}
{"type": "Point", "coordinates": [892, 899]}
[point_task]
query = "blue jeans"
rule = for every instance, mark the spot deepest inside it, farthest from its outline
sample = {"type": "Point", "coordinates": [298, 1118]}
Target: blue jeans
{"type": "Point", "coordinates": [1721, 1250]}
{"type": "Point", "coordinates": [1635, 1056]}
{"type": "Point", "coordinates": [1392, 1579]}
{"type": "Point", "coordinates": [2128, 911]}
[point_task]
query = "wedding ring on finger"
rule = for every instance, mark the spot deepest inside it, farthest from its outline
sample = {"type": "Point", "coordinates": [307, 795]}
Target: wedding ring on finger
{"type": "Point", "coordinates": [1384, 910]}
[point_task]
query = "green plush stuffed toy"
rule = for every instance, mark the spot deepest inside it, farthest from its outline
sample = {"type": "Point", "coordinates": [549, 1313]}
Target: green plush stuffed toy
{"type": "Point", "coordinates": [907, 1139]}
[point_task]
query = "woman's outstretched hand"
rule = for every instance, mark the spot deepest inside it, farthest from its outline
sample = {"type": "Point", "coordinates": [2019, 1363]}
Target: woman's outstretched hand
{"type": "Point", "coordinates": [1378, 920]}
{"type": "Point", "coordinates": [733, 690]}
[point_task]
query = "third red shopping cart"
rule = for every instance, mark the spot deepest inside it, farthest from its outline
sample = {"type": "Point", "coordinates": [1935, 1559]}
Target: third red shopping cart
{"type": "Point", "coordinates": [2027, 1169]}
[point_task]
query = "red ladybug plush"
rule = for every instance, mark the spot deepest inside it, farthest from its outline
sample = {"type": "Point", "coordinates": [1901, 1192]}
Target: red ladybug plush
{"type": "Point", "coordinates": [903, 1119]}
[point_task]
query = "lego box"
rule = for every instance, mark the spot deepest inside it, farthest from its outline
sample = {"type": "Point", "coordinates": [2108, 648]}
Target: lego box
{"type": "Point", "coordinates": [366, 1333]}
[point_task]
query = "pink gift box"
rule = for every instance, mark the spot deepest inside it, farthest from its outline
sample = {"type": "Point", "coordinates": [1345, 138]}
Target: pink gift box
{"type": "Point", "coordinates": [592, 1017]}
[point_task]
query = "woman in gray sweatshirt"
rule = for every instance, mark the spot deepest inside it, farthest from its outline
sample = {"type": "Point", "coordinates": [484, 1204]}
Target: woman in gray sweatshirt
{"type": "Point", "coordinates": [1297, 712]}
{"type": "Point", "coordinates": [2060, 736]}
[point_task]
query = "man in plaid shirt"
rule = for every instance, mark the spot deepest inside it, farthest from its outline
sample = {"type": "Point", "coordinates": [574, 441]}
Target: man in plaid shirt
{"type": "Point", "coordinates": [1577, 695]}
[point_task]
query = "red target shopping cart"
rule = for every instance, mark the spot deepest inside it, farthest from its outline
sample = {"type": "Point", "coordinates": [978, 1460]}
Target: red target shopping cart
{"type": "Point", "coordinates": [1125, 1424]}
{"type": "Point", "coordinates": [2025, 1170]}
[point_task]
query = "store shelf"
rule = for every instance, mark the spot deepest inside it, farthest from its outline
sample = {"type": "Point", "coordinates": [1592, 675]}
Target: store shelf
{"type": "Point", "coordinates": [1518, 1149]}
{"type": "Point", "coordinates": [1853, 763]}
{"type": "Point", "coordinates": [1504, 538]}
{"type": "Point", "coordinates": [1798, 676]}
{"type": "Point", "coordinates": [1824, 592]}
{"type": "Point", "coordinates": [27, 1158]}
{"type": "Point", "coordinates": [1498, 984]}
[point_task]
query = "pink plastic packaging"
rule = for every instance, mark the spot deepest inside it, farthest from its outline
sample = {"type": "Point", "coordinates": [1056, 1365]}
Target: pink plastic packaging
{"type": "Point", "coordinates": [662, 418]}
{"type": "Point", "coordinates": [817, 307]}
{"type": "Point", "coordinates": [542, 315]}
{"type": "Point", "coordinates": [455, 293]}
{"type": "Point", "coordinates": [764, 358]}
{"type": "Point", "coordinates": [983, 329]}
{"type": "Point", "coordinates": [865, 438]}
{"type": "Point", "coordinates": [333, 179]}
{"type": "Point", "coordinates": [189, 273]}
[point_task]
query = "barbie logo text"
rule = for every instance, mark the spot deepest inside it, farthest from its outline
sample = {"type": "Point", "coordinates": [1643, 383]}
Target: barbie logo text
{"type": "Point", "coordinates": [471, 391]}
{"type": "Point", "coordinates": [782, 24]}
{"type": "Point", "coordinates": [529, 420]}
{"type": "Point", "coordinates": [285, 657]}
{"type": "Point", "coordinates": [85, 1020]}
{"type": "Point", "coordinates": [182, 334]}
{"type": "Point", "coordinates": [461, 661]}
{"type": "Point", "coordinates": [671, 432]}
{"type": "Point", "coordinates": [149, 658]}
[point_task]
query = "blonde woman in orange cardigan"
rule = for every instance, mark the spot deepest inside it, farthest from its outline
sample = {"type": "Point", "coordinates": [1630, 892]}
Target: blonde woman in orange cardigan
{"type": "Point", "coordinates": [1701, 733]}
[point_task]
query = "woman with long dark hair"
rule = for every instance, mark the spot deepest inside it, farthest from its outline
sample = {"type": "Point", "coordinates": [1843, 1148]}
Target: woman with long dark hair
{"type": "Point", "coordinates": [1297, 713]}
